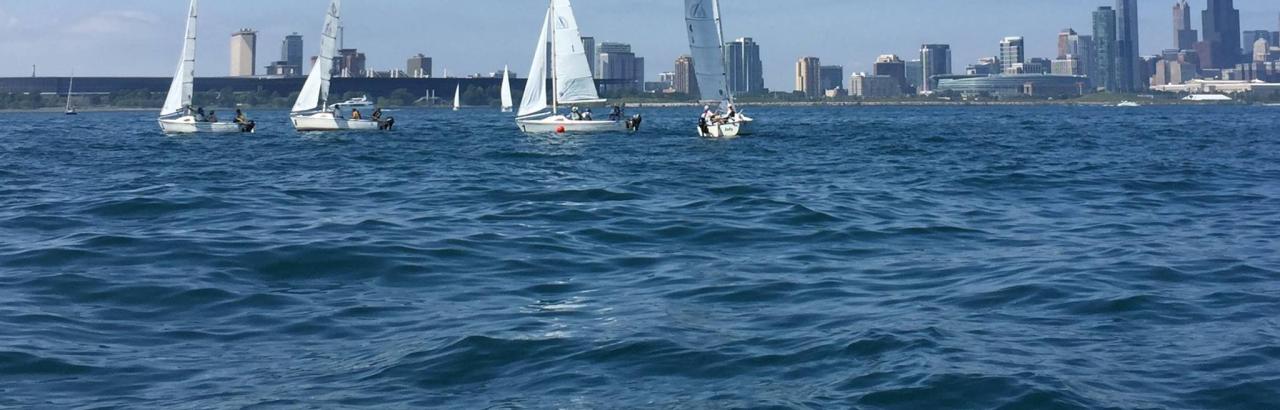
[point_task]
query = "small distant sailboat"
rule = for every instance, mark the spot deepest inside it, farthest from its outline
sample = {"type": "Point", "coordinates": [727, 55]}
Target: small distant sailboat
{"type": "Point", "coordinates": [457, 98]}
{"type": "Point", "coordinates": [312, 111]}
{"type": "Point", "coordinates": [506, 89]}
{"type": "Point", "coordinates": [71, 85]}
{"type": "Point", "coordinates": [706, 44]}
{"type": "Point", "coordinates": [571, 78]}
{"type": "Point", "coordinates": [177, 116]}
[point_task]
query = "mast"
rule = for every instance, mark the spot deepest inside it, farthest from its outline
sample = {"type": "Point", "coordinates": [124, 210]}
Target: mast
{"type": "Point", "coordinates": [555, 88]}
{"type": "Point", "coordinates": [724, 57]}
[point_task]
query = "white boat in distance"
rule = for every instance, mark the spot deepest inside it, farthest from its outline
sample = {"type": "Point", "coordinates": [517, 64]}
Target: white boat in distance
{"type": "Point", "coordinates": [71, 109]}
{"type": "Point", "coordinates": [706, 45]}
{"type": "Point", "coordinates": [177, 116]}
{"type": "Point", "coordinates": [571, 77]}
{"type": "Point", "coordinates": [506, 89]}
{"type": "Point", "coordinates": [312, 111]}
{"type": "Point", "coordinates": [457, 97]}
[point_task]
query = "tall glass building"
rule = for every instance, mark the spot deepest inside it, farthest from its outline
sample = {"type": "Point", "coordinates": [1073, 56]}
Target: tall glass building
{"type": "Point", "coordinates": [1129, 73]}
{"type": "Point", "coordinates": [1104, 45]}
{"type": "Point", "coordinates": [936, 60]}
{"type": "Point", "coordinates": [1222, 34]}
{"type": "Point", "coordinates": [746, 71]}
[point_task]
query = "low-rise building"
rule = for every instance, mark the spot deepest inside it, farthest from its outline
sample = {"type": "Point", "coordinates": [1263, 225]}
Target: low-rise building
{"type": "Point", "coordinates": [1017, 85]}
{"type": "Point", "coordinates": [874, 86]}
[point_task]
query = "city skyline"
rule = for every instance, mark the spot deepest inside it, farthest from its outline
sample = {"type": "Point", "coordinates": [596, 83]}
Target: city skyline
{"type": "Point", "coordinates": [104, 33]}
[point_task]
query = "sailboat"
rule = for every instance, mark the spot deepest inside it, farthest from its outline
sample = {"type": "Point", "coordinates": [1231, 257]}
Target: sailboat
{"type": "Point", "coordinates": [177, 117]}
{"type": "Point", "coordinates": [312, 111]}
{"type": "Point", "coordinates": [506, 89]}
{"type": "Point", "coordinates": [71, 85]}
{"type": "Point", "coordinates": [571, 79]}
{"type": "Point", "coordinates": [706, 44]}
{"type": "Point", "coordinates": [457, 98]}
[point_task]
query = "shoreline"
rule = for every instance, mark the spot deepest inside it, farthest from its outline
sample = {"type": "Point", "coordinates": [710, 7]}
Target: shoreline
{"type": "Point", "coordinates": [782, 104]}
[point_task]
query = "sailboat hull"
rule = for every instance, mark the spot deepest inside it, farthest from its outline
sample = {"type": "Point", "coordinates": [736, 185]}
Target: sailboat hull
{"type": "Point", "coordinates": [328, 122]}
{"type": "Point", "coordinates": [189, 125]}
{"type": "Point", "coordinates": [560, 124]}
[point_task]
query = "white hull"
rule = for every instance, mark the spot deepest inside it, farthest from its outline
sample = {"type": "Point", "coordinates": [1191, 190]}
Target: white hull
{"type": "Point", "coordinates": [558, 123]}
{"type": "Point", "coordinates": [189, 125]}
{"type": "Point", "coordinates": [722, 131]}
{"type": "Point", "coordinates": [744, 126]}
{"type": "Point", "coordinates": [328, 122]}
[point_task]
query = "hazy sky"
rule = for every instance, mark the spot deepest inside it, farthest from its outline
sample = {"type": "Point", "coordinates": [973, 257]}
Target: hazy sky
{"type": "Point", "coordinates": [143, 37]}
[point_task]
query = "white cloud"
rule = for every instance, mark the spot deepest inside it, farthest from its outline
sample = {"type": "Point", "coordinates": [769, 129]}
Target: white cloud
{"type": "Point", "coordinates": [108, 22]}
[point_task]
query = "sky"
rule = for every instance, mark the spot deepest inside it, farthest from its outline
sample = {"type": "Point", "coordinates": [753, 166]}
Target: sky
{"type": "Point", "coordinates": [144, 37]}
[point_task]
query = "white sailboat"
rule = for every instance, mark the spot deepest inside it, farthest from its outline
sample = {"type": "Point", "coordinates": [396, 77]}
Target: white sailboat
{"type": "Point", "coordinates": [571, 78]}
{"type": "Point", "coordinates": [457, 97]}
{"type": "Point", "coordinates": [312, 111]}
{"type": "Point", "coordinates": [177, 116]}
{"type": "Point", "coordinates": [71, 85]}
{"type": "Point", "coordinates": [506, 89]}
{"type": "Point", "coordinates": [706, 44]}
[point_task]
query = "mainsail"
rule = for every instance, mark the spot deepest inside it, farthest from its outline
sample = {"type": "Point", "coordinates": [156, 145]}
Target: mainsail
{"type": "Point", "coordinates": [457, 97]}
{"type": "Point", "coordinates": [535, 89]}
{"type": "Point", "coordinates": [183, 85]}
{"type": "Point", "coordinates": [506, 90]}
{"type": "Point", "coordinates": [315, 92]}
{"type": "Point", "coordinates": [706, 44]}
{"type": "Point", "coordinates": [574, 82]}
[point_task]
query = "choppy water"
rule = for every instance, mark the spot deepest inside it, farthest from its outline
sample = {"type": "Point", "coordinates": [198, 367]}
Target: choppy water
{"type": "Point", "coordinates": [1039, 257]}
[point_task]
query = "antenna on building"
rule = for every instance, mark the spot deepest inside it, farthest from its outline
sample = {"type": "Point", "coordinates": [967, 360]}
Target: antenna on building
{"type": "Point", "coordinates": [33, 71]}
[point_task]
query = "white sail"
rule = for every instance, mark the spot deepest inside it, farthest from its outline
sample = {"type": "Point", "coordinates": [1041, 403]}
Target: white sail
{"type": "Point", "coordinates": [535, 89]}
{"type": "Point", "coordinates": [706, 45]}
{"type": "Point", "coordinates": [506, 90]}
{"type": "Point", "coordinates": [71, 86]}
{"type": "Point", "coordinates": [315, 92]}
{"type": "Point", "coordinates": [182, 87]}
{"type": "Point", "coordinates": [574, 82]}
{"type": "Point", "coordinates": [457, 97]}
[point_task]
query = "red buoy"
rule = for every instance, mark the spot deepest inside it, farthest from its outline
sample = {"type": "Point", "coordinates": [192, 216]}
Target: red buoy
{"type": "Point", "coordinates": [560, 129]}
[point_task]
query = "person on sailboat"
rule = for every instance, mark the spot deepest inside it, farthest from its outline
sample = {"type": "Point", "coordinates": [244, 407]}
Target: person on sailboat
{"type": "Point", "coordinates": [586, 116]}
{"type": "Point", "coordinates": [616, 114]}
{"type": "Point", "coordinates": [213, 116]}
{"type": "Point", "coordinates": [240, 118]}
{"type": "Point", "coordinates": [574, 114]}
{"type": "Point", "coordinates": [200, 115]}
{"type": "Point", "coordinates": [733, 113]}
{"type": "Point", "coordinates": [355, 114]}
{"type": "Point", "coordinates": [377, 114]}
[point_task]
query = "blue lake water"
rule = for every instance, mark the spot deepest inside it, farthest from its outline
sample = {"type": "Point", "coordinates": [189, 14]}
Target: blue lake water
{"type": "Point", "coordinates": [935, 257]}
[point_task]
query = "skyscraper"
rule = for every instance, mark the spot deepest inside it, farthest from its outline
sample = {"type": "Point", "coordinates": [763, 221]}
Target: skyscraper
{"type": "Point", "coordinates": [1221, 45]}
{"type": "Point", "coordinates": [832, 77]}
{"type": "Point", "coordinates": [419, 66]}
{"type": "Point", "coordinates": [1064, 43]}
{"type": "Point", "coordinates": [891, 66]}
{"type": "Point", "coordinates": [1104, 44]}
{"type": "Point", "coordinates": [351, 63]}
{"type": "Point", "coordinates": [244, 53]}
{"type": "Point", "coordinates": [291, 50]}
{"type": "Point", "coordinates": [746, 71]}
{"type": "Point", "coordinates": [1129, 71]}
{"type": "Point", "coordinates": [617, 62]}
{"type": "Point", "coordinates": [935, 59]}
{"type": "Point", "coordinates": [1184, 36]}
{"type": "Point", "coordinates": [809, 76]}
{"type": "Point", "coordinates": [589, 47]}
{"type": "Point", "coordinates": [1248, 37]}
{"type": "Point", "coordinates": [1012, 51]}
{"type": "Point", "coordinates": [686, 80]}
